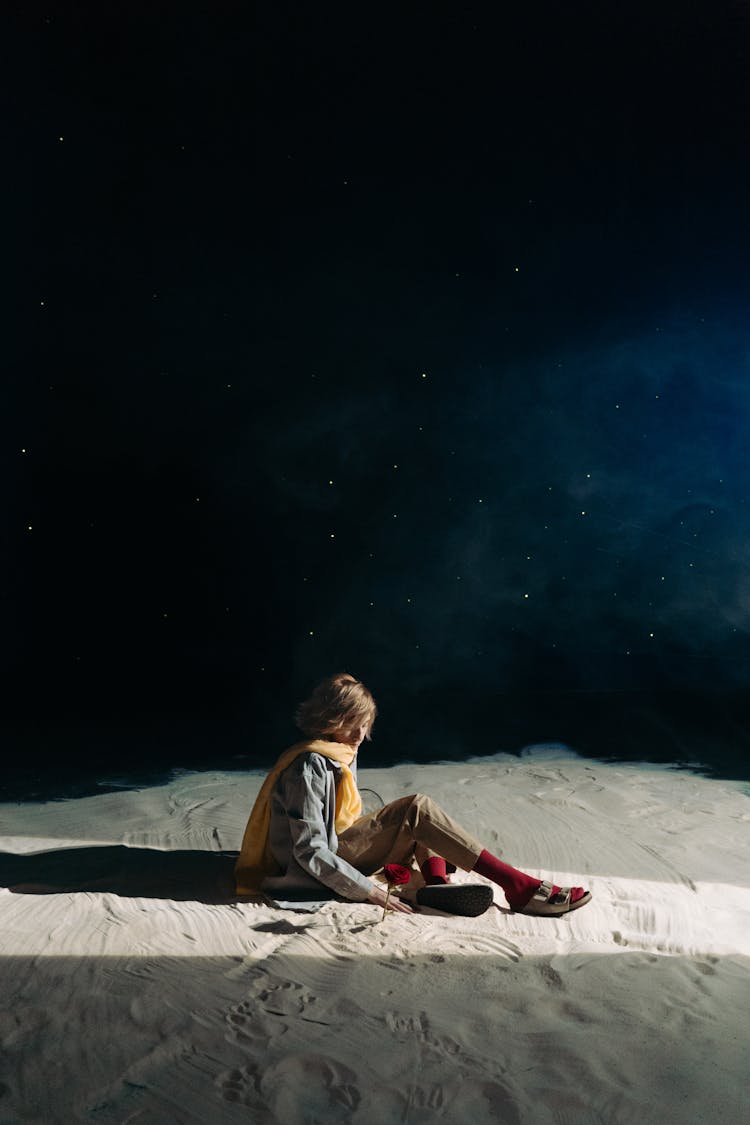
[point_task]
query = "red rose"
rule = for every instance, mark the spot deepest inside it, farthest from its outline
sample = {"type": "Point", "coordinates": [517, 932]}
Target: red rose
{"type": "Point", "coordinates": [396, 875]}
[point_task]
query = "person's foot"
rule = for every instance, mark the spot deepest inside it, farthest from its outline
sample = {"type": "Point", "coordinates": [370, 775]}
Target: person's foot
{"type": "Point", "coordinates": [468, 899]}
{"type": "Point", "coordinates": [548, 899]}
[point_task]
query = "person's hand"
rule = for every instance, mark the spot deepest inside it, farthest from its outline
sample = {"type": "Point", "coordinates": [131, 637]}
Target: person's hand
{"type": "Point", "coordinates": [377, 898]}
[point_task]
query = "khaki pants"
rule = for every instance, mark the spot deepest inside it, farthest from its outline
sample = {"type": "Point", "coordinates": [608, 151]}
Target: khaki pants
{"type": "Point", "coordinates": [412, 828]}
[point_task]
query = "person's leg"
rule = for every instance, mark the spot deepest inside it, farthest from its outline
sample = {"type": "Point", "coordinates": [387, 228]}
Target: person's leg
{"type": "Point", "coordinates": [416, 826]}
{"type": "Point", "coordinates": [413, 827]}
{"type": "Point", "coordinates": [519, 887]}
{"type": "Point", "coordinates": [434, 871]}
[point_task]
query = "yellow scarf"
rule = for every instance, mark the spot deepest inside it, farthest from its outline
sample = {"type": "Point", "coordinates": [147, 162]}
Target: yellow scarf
{"type": "Point", "coordinates": [255, 860]}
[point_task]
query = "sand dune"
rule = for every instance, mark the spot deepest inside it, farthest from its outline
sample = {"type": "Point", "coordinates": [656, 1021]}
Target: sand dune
{"type": "Point", "coordinates": [135, 988]}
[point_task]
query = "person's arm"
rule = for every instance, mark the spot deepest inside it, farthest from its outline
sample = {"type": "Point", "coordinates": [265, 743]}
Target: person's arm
{"type": "Point", "coordinates": [305, 791]}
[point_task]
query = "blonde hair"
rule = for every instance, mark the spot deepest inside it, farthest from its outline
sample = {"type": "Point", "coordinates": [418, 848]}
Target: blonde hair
{"type": "Point", "coordinates": [337, 705]}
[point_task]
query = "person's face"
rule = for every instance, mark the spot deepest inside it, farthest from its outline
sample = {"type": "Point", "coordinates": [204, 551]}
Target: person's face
{"type": "Point", "coordinates": [357, 736]}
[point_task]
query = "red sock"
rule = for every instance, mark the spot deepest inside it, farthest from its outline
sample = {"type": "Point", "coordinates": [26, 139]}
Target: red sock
{"type": "Point", "coordinates": [434, 871]}
{"type": "Point", "coordinates": [519, 888]}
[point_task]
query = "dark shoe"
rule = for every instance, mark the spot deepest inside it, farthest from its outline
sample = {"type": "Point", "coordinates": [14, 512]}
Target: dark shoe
{"type": "Point", "coordinates": [467, 899]}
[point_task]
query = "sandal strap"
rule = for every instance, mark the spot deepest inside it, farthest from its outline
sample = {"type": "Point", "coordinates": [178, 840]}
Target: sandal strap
{"type": "Point", "coordinates": [543, 891]}
{"type": "Point", "coordinates": [544, 894]}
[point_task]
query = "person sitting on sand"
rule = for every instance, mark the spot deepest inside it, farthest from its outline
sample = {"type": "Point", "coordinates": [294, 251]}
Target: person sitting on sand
{"type": "Point", "coordinates": [307, 831]}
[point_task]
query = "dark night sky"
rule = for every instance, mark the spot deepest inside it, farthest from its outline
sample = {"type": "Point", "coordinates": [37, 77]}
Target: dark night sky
{"type": "Point", "coordinates": [403, 339]}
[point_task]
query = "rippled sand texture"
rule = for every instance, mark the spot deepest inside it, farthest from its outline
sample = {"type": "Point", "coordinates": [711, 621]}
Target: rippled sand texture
{"type": "Point", "coordinates": [134, 989]}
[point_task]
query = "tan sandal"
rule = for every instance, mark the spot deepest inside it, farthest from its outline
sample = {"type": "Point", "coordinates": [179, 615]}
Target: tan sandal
{"type": "Point", "coordinates": [545, 902]}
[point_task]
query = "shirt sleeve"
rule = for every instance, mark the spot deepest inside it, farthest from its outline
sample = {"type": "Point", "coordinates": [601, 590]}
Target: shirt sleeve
{"type": "Point", "coordinates": [307, 793]}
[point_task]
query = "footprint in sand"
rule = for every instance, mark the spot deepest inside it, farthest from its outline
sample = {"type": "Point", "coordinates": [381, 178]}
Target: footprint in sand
{"type": "Point", "coordinates": [263, 1014]}
{"type": "Point", "coordinates": [462, 1100]}
{"type": "Point", "coordinates": [302, 1088]}
{"type": "Point", "coordinates": [249, 1026]}
{"type": "Point", "coordinates": [233, 1085]}
{"type": "Point", "coordinates": [430, 1098]}
{"type": "Point", "coordinates": [443, 1047]}
{"type": "Point", "coordinates": [434, 1045]}
{"type": "Point", "coordinates": [284, 998]}
{"type": "Point", "coordinates": [405, 1026]}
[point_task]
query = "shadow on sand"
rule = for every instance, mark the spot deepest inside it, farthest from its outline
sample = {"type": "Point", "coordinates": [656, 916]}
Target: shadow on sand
{"type": "Point", "coordinates": [196, 876]}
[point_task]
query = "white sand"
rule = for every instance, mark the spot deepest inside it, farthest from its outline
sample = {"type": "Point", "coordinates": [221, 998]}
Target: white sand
{"type": "Point", "coordinates": [163, 1003]}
